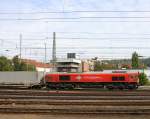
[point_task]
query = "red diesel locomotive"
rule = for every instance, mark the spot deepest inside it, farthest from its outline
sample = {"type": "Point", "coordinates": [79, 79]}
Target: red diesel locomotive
{"type": "Point", "coordinates": [114, 80]}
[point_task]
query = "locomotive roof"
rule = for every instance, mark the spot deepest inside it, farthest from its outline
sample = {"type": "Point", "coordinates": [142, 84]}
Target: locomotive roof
{"type": "Point", "coordinates": [114, 72]}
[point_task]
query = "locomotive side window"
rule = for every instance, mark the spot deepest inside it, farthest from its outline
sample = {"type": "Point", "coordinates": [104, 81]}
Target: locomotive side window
{"type": "Point", "coordinates": [64, 78]}
{"type": "Point", "coordinates": [120, 78]}
{"type": "Point", "coordinates": [114, 78]}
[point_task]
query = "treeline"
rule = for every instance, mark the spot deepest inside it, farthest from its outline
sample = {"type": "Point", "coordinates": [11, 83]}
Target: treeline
{"type": "Point", "coordinates": [14, 64]}
{"type": "Point", "coordinates": [136, 62]}
{"type": "Point", "coordinates": [146, 62]}
{"type": "Point", "coordinates": [128, 62]}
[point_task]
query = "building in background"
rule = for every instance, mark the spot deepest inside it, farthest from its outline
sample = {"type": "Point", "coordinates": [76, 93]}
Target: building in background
{"type": "Point", "coordinates": [73, 64]}
{"type": "Point", "coordinates": [86, 66]}
{"type": "Point", "coordinates": [40, 66]}
{"type": "Point", "coordinates": [90, 63]}
{"type": "Point", "coordinates": [69, 64]}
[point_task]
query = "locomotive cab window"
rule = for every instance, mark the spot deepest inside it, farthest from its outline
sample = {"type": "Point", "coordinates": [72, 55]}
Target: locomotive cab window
{"type": "Point", "coordinates": [64, 78]}
{"type": "Point", "coordinates": [119, 78]}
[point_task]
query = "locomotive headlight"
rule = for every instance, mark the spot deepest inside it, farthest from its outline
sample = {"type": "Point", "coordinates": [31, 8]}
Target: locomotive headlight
{"type": "Point", "coordinates": [138, 80]}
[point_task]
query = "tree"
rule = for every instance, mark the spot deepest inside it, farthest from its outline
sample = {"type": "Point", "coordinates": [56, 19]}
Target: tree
{"type": "Point", "coordinates": [97, 66]}
{"type": "Point", "coordinates": [21, 65]}
{"type": "Point", "coordinates": [135, 60]}
{"type": "Point", "coordinates": [5, 64]}
{"type": "Point", "coordinates": [143, 80]}
{"type": "Point", "coordinates": [30, 67]}
{"type": "Point", "coordinates": [100, 66]}
{"type": "Point", "coordinates": [16, 63]}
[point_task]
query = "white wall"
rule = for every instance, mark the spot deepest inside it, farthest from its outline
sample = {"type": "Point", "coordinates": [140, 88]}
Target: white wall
{"type": "Point", "coordinates": [20, 77]}
{"type": "Point", "coordinates": [39, 69]}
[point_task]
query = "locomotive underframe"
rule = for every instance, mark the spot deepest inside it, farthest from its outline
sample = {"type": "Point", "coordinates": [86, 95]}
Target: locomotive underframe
{"type": "Point", "coordinates": [112, 85]}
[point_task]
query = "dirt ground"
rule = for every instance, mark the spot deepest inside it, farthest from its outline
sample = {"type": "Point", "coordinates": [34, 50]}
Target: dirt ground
{"type": "Point", "coordinates": [34, 116]}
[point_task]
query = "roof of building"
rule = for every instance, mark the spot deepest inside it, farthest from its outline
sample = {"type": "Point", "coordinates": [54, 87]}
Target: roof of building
{"type": "Point", "coordinates": [37, 64]}
{"type": "Point", "coordinates": [62, 60]}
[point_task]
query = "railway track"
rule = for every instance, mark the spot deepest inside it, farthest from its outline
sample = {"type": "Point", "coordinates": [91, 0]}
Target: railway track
{"type": "Point", "coordinates": [76, 97]}
{"type": "Point", "coordinates": [74, 93]}
{"type": "Point", "coordinates": [98, 110]}
{"type": "Point", "coordinates": [74, 102]}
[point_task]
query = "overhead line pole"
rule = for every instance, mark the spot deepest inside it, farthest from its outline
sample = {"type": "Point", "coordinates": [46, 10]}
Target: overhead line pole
{"type": "Point", "coordinates": [20, 37]}
{"type": "Point", "coordinates": [45, 52]}
{"type": "Point", "coordinates": [54, 52]}
{"type": "Point", "coordinates": [45, 63]}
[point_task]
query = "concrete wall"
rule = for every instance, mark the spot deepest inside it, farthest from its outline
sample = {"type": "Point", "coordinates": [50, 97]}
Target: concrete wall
{"type": "Point", "coordinates": [20, 77]}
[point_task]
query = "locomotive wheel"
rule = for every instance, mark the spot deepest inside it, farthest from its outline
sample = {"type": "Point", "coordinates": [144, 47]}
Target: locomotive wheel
{"type": "Point", "coordinates": [132, 87]}
{"type": "Point", "coordinates": [120, 88]}
{"type": "Point", "coordinates": [109, 88]}
{"type": "Point", "coordinates": [72, 87]}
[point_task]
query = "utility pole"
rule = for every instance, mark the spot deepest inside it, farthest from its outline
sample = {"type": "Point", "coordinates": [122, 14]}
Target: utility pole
{"type": "Point", "coordinates": [45, 51]}
{"type": "Point", "coordinates": [54, 52]}
{"type": "Point", "coordinates": [20, 37]}
{"type": "Point", "coordinates": [45, 62]}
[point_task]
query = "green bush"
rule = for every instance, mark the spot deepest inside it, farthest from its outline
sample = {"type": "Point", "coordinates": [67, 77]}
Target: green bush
{"type": "Point", "coordinates": [143, 80]}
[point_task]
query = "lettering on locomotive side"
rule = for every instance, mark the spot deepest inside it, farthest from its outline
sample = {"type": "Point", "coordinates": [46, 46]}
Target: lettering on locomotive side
{"type": "Point", "coordinates": [92, 77]}
{"type": "Point", "coordinates": [88, 77]}
{"type": "Point", "coordinates": [78, 78]}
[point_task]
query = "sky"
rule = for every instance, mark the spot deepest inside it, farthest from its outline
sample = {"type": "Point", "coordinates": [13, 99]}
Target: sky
{"type": "Point", "coordinates": [108, 29]}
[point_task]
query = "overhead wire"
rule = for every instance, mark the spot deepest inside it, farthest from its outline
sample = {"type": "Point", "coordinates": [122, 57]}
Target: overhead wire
{"type": "Point", "coordinates": [67, 38]}
{"type": "Point", "coordinates": [111, 47]}
{"type": "Point", "coordinates": [72, 11]}
{"type": "Point", "coordinates": [79, 19]}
